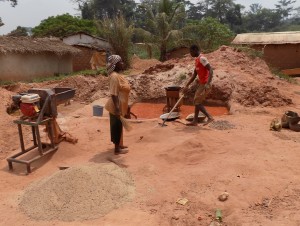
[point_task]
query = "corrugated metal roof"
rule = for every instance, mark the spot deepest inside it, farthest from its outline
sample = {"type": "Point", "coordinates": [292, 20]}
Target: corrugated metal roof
{"type": "Point", "coordinates": [291, 37]}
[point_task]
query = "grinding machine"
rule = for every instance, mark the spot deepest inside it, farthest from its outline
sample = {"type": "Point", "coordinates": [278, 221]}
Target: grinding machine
{"type": "Point", "coordinates": [39, 108]}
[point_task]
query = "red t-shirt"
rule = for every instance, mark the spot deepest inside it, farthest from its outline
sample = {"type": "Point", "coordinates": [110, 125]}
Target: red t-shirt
{"type": "Point", "coordinates": [203, 74]}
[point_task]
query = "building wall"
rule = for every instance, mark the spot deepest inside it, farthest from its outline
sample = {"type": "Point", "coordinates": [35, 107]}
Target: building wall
{"type": "Point", "coordinates": [19, 67]}
{"type": "Point", "coordinates": [284, 56]}
{"type": "Point", "coordinates": [86, 39]}
{"type": "Point", "coordinates": [82, 61]}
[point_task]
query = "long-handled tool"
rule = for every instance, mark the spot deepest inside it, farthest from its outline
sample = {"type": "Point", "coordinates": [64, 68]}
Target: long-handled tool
{"type": "Point", "coordinates": [163, 124]}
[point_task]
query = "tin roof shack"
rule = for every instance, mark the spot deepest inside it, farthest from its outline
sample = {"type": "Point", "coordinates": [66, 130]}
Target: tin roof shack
{"type": "Point", "coordinates": [23, 58]}
{"type": "Point", "coordinates": [93, 51]}
{"type": "Point", "coordinates": [280, 49]}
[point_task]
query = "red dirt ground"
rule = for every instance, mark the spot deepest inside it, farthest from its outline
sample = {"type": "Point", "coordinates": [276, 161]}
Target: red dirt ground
{"type": "Point", "coordinates": [154, 110]}
{"type": "Point", "coordinates": [259, 168]}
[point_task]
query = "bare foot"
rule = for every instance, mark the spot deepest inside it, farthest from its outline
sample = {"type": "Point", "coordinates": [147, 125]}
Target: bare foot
{"type": "Point", "coordinates": [123, 147]}
{"type": "Point", "coordinates": [192, 124]}
{"type": "Point", "coordinates": [208, 121]}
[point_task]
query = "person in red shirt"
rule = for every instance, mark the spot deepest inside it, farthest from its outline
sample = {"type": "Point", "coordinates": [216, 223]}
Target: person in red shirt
{"type": "Point", "coordinates": [204, 74]}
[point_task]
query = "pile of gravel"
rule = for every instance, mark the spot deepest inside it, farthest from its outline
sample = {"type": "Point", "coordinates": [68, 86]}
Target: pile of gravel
{"type": "Point", "coordinates": [78, 193]}
{"type": "Point", "coordinates": [221, 125]}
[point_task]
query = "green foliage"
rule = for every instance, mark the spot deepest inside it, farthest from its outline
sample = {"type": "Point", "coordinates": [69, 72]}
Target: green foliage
{"type": "Point", "coordinates": [7, 83]}
{"type": "Point", "coordinates": [119, 33]}
{"type": "Point", "coordinates": [18, 32]}
{"type": "Point", "coordinates": [100, 71]}
{"type": "Point", "coordinates": [13, 4]}
{"type": "Point", "coordinates": [209, 33]}
{"type": "Point", "coordinates": [142, 51]}
{"type": "Point", "coordinates": [102, 9]}
{"type": "Point", "coordinates": [260, 19]}
{"type": "Point", "coordinates": [164, 23]}
{"type": "Point", "coordinates": [281, 75]}
{"type": "Point", "coordinates": [285, 8]}
{"type": "Point", "coordinates": [63, 25]}
{"type": "Point", "coordinates": [182, 77]}
{"type": "Point", "coordinates": [141, 36]}
{"type": "Point", "coordinates": [252, 53]}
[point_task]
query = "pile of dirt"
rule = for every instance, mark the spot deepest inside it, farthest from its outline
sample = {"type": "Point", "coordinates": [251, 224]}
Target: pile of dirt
{"type": "Point", "coordinates": [7, 141]}
{"type": "Point", "coordinates": [159, 68]}
{"type": "Point", "coordinates": [86, 86]}
{"type": "Point", "coordinates": [141, 64]}
{"type": "Point", "coordinates": [221, 125]}
{"type": "Point", "coordinates": [78, 193]}
{"type": "Point", "coordinates": [238, 78]}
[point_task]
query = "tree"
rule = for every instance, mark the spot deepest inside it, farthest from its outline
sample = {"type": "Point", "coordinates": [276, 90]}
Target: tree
{"type": "Point", "coordinates": [261, 19]}
{"type": "Point", "coordinates": [209, 33]}
{"type": "Point", "coordinates": [234, 17]}
{"type": "Point", "coordinates": [18, 32]}
{"type": "Point", "coordinates": [63, 25]}
{"type": "Point", "coordinates": [101, 9]}
{"type": "Point", "coordinates": [285, 8]}
{"type": "Point", "coordinates": [219, 9]}
{"type": "Point", "coordinates": [165, 24]}
{"type": "Point", "coordinates": [13, 4]}
{"type": "Point", "coordinates": [141, 12]}
{"type": "Point", "coordinates": [119, 34]}
{"type": "Point", "coordinates": [197, 11]}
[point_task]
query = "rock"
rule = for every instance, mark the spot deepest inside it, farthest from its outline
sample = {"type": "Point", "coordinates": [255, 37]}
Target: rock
{"type": "Point", "coordinates": [223, 48]}
{"type": "Point", "coordinates": [223, 197]}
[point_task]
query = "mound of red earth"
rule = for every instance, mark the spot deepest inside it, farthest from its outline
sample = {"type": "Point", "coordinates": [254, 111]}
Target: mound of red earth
{"type": "Point", "coordinates": [7, 127]}
{"type": "Point", "coordinates": [159, 68]}
{"type": "Point", "coordinates": [238, 78]}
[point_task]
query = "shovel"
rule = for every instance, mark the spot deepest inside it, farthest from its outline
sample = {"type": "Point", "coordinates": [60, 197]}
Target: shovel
{"type": "Point", "coordinates": [163, 124]}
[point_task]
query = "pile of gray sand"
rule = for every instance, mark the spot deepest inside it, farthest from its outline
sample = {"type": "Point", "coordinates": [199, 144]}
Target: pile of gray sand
{"type": "Point", "coordinates": [78, 193]}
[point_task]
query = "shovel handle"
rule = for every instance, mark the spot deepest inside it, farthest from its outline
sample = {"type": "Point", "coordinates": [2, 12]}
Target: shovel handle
{"type": "Point", "coordinates": [172, 110]}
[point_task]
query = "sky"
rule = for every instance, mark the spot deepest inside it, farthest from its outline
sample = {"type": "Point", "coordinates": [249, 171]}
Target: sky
{"type": "Point", "coordinates": [29, 13]}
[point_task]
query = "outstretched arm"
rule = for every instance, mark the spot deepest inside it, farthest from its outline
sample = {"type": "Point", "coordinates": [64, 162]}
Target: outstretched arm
{"type": "Point", "coordinates": [190, 81]}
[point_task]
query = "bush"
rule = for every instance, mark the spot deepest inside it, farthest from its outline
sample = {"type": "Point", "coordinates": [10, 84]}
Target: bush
{"type": "Point", "coordinates": [119, 34]}
{"type": "Point", "coordinates": [208, 33]}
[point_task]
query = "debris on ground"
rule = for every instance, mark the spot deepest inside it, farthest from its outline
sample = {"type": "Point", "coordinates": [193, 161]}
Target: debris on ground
{"type": "Point", "coordinates": [276, 124]}
{"type": "Point", "coordinates": [78, 193]}
{"type": "Point", "coordinates": [182, 201]}
{"type": "Point", "coordinates": [219, 216]}
{"type": "Point", "coordinates": [223, 197]}
{"type": "Point", "coordinates": [221, 125]}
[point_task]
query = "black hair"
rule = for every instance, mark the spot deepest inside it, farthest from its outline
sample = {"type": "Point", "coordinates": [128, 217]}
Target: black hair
{"type": "Point", "coordinates": [194, 48]}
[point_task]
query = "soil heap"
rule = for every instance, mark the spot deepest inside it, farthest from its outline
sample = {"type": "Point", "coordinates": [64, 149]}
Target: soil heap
{"type": "Point", "coordinates": [78, 193]}
{"type": "Point", "coordinates": [7, 141]}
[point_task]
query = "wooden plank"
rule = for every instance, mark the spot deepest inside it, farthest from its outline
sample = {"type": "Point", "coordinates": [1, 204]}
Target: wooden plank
{"type": "Point", "coordinates": [291, 72]}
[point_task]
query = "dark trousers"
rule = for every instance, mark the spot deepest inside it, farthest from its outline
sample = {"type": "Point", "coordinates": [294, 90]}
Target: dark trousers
{"type": "Point", "coordinates": [116, 129]}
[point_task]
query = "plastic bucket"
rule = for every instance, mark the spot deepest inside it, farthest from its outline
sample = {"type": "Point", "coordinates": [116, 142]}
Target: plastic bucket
{"type": "Point", "coordinates": [97, 110]}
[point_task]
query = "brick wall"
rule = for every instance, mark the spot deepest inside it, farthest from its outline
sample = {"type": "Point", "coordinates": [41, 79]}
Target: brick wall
{"type": "Point", "coordinates": [81, 61]}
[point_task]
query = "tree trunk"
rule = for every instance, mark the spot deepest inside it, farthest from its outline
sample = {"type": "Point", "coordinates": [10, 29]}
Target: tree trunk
{"type": "Point", "coordinates": [163, 52]}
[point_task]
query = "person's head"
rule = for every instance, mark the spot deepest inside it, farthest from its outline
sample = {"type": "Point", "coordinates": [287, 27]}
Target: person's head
{"type": "Point", "coordinates": [115, 63]}
{"type": "Point", "coordinates": [194, 51]}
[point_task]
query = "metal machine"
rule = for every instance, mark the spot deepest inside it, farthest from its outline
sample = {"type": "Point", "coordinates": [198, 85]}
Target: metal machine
{"type": "Point", "coordinates": [39, 108]}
